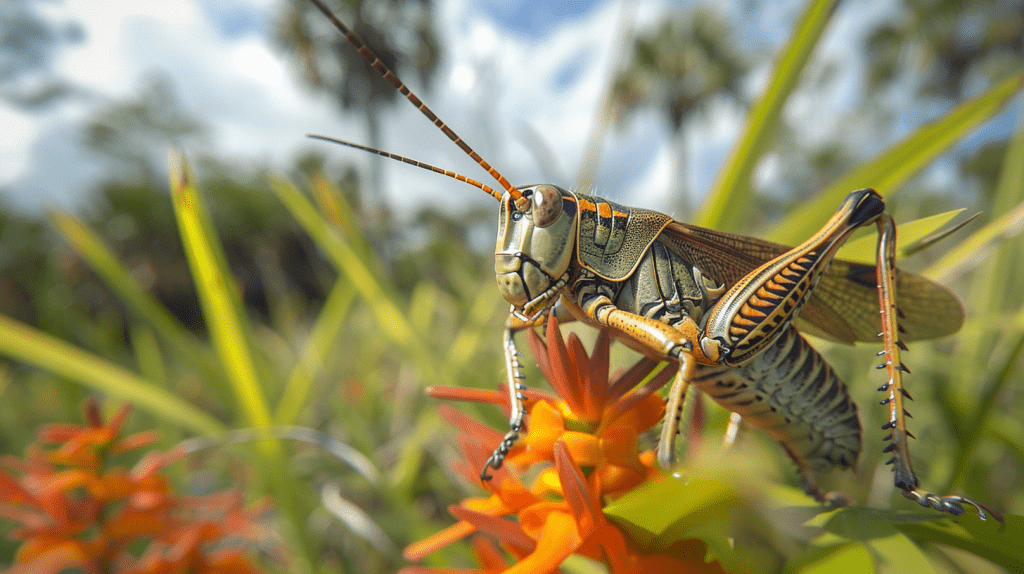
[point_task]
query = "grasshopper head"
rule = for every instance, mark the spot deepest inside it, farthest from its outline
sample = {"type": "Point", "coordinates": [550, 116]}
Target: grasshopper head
{"type": "Point", "coordinates": [535, 244]}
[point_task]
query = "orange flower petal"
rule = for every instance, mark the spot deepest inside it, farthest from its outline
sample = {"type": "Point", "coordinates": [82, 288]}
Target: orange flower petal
{"type": "Point", "coordinates": [229, 562]}
{"type": "Point", "coordinates": [467, 394]}
{"type": "Point", "coordinates": [503, 529]}
{"type": "Point", "coordinates": [564, 379]}
{"type": "Point", "coordinates": [574, 488]}
{"type": "Point", "coordinates": [477, 456]}
{"type": "Point", "coordinates": [547, 484]}
{"type": "Point", "coordinates": [135, 441]}
{"type": "Point", "coordinates": [488, 555]}
{"type": "Point", "coordinates": [57, 432]}
{"type": "Point", "coordinates": [418, 550]}
{"type": "Point", "coordinates": [642, 415]}
{"type": "Point", "coordinates": [617, 480]}
{"type": "Point", "coordinates": [558, 539]}
{"type": "Point", "coordinates": [618, 446]}
{"type": "Point", "coordinates": [45, 556]}
{"type": "Point", "coordinates": [68, 480]}
{"type": "Point", "coordinates": [546, 425]}
{"type": "Point", "coordinates": [622, 383]}
{"type": "Point", "coordinates": [118, 420]}
{"type": "Point", "coordinates": [591, 393]}
{"type": "Point", "coordinates": [584, 448]}
{"type": "Point", "coordinates": [469, 426]}
{"type": "Point", "coordinates": [11, 490]}
{"type": "Point", "coordinates": [599, 363]}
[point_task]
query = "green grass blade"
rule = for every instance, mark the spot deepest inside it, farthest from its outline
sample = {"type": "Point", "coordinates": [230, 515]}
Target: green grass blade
{"type": "Point", "coordinates": [996, 283]}
{"type": "Point", "coordinates": [322, 338]}
{"type": "Point", "coordinates": [894, 166]}
{"type": "Point", "coordinates": [474, 329]}
{"type": "Point", "coordinates": [217, 295]}
{"type": "Point", "coordinates": [393, 321]}
{"type": "Point", "coordinates": [26, 344]}
{"type": "Point", "coordinates": [102, 261]}
{"type": "Point", "coordinates": [732, 187]}
{"type": "Point", "coordinates": [148, 357]}
{"type": "Point", "coordinates": [972, 250]}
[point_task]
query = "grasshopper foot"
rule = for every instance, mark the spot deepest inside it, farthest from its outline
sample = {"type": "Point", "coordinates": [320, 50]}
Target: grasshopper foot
{"type": "Point", "coordinates": [498, 457]}
{"type": "Point", "coordinates": [953, 504]}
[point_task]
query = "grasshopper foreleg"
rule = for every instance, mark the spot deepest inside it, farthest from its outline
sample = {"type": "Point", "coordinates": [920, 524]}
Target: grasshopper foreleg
{"type": "Point", "coordinates": [518, 320]}
{"type": "Point", "coordinates": [682, 342]}
{"type": "Point", "coordinates": [515, 377]}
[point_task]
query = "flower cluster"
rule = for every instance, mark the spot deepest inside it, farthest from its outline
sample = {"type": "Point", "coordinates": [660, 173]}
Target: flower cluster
{"type": "Point", "coordinates": [75, 510]}
{"type": "Point", "coordinates": [586, 439]}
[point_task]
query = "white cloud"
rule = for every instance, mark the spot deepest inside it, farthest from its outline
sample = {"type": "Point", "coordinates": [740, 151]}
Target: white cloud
{"type": "Point", "coordinates": [19, 128]}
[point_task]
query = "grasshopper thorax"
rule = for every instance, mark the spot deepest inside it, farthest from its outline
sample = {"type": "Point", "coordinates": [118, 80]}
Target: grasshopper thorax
{"type": "Point", "coordinates": [536, 242]}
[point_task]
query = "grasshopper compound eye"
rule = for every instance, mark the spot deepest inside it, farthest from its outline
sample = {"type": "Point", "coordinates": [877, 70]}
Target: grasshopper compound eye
{"type": "Point", "coordinates": [547, 205]}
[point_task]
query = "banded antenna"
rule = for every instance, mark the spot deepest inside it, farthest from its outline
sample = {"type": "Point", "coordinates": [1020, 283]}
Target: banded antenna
{"type": "Point", "coordinates": [388, 75]}
{"type": "Point", "coordinates": [413, 162]}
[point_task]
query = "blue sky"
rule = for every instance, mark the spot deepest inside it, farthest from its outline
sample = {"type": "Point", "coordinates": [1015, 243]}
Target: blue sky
{"type": "Point", "coordinates": [509, 67]}
{"type": "Point", "coordinates": [546, 61]}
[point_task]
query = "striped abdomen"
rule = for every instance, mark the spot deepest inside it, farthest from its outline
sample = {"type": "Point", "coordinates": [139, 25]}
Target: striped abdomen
{"type": "Point", "coordinates": [792, 393]}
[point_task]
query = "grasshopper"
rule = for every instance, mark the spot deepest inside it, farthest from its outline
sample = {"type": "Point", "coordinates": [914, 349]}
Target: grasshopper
{"type": "Point", "coordinates": [728, 308]}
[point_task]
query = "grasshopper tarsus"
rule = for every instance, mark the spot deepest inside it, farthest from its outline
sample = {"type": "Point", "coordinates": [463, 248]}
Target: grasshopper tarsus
{"type": "Point", "coordinates": [952, 504]}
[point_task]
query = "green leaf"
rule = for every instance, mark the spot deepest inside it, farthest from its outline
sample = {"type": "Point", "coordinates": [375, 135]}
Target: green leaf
{"type": "Point", "coordinates": [872, 530]}
{"type": "Point", "coordinates": [863, 249]}
{"type": "Point", "coordinates": [644, 515]}
{"type": "Point", "coordinates": [1001, 544]}
{"type": "Point", "coordinates": [731, 190]}
{"type": "Point", "coordinates": [894, 166]}
{"type": "Point", "coordinates": [848, 558]}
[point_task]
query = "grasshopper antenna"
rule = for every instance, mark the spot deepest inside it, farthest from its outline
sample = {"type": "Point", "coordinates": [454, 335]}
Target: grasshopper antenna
{"type": "Point", "coordinates": [388, 75]}
{"type": "Point", "coordinates": [457, 176]}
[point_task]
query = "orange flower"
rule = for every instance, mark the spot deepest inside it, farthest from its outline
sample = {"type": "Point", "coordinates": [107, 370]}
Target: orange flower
{"type": "Point", "coordinates": [587, 435]}
{"type": "Point", "coordinates": [74, 512]}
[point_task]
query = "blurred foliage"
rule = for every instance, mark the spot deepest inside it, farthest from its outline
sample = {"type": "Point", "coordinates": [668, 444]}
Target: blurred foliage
{"type": "Point", "coordinates": [328, 61]}
{"type": "Point", "coordinates": [346, 310]}
{"type": "Point", "coordinates": [690, 59]}
{"type": "Point", "coordinates": [27, 43]}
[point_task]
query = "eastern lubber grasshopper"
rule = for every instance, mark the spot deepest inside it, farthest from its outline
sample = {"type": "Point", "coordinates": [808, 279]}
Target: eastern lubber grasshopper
{"type": "Point", "coordinates": [726, 307]}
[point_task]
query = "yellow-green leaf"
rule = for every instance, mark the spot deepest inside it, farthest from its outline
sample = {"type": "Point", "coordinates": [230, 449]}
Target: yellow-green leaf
{"type": "Point", "coordinates": [894, 166]}
{"type": "Point", "coordinates": [863, 249]}
{"type": "Point", "coordinates": [731, 189]}
{"type": "Point", "coordinates": [218, 295]}
{"type": "Point", "coordinates": [26, 344]}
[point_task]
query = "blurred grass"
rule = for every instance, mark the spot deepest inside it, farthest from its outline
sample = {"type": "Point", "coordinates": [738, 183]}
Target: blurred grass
{"type": "Point", "coordinates": [354, 366]}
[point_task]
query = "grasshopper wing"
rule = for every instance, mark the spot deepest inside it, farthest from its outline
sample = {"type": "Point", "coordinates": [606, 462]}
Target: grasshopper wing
{"type": "Point", "coordinates": [844, 305]}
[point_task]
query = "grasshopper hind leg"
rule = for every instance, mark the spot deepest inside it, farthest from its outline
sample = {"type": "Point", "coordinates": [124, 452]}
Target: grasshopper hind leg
{"type": "Point", "coordinates": [904, 477]}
